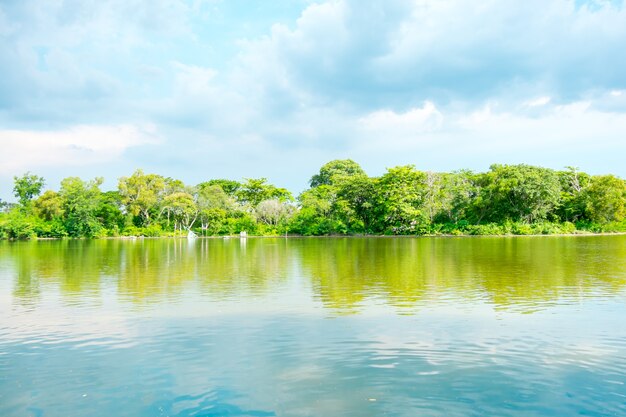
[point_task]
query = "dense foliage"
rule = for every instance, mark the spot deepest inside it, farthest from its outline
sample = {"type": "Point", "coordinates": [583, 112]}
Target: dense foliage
{"type": "Point", "coordinates": [343, 199]}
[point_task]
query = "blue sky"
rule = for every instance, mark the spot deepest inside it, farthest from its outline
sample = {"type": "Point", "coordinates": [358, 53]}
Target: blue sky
{"type": "Point", "coordinates": [201, 89]}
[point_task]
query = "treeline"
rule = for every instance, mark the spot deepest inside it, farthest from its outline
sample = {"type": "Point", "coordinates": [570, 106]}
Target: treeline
{"type": "Point", "coordinates": [342, 199]}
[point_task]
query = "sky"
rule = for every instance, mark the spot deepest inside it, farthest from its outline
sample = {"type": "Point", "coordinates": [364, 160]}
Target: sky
{"type": "Point", "coordinates": [201, 89]}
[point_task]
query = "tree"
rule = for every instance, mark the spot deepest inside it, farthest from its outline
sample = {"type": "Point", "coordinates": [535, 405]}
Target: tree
{"type": "Point", "coordinates": [80, 204]}
{"type": "Point", "coordinates": [49, 205]}
{"type": "Point", "coordinates": [606, 199]}
{"type": "Point", "coordinates": [433, 194]}
{"type": "Point", "coordinates": [141, 193]}
{"type": "Point", "coordinates": [230, 187]}
{"type": "Point", "coordinates": [172, 185]}
{"type": "Point", "coordinates": [17, 224]}
{"type": "Point", "coordinates": [4, 206]}
{"type": "Point", "coordinates": [213, 205]}
{"type": "Point", "coordinates": [27, 187]}
{"type": "Point", "coordinates": [182, 208]}
{"type": "Point", "coordinates": [356, 202]}
{"type": "Point", "coordinates": [573, 194]}
{"type": "Point", "coordinates": [332, 170]}
{"type": "Point", "coordinates": [318, 214]}
{"type": "Point", "coordinates": [273, 212]}
{"type": "Point", "coordinates": [458, 190]}
{"type": "Point", "coordinates": [109, 211]}
{"type": "Point", "coordinates": [319, 199]}
{"type": "Point", "coordinates": [402, 195]}
{"type": "Point", "coordinates": [253, 191]}
{"type": "Point", "coordinates": [518, 193]}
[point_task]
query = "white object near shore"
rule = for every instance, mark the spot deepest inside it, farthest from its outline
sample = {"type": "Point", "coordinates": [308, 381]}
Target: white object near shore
{"type": "Point", "coordinates": [243, 234]}
{"type": "Point", "coordinates": [191, 235]}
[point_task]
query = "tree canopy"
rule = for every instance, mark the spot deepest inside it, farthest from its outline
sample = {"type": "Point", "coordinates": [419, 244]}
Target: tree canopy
{"type": "Point", "coordinates": [27, 187]}
{"type": "Point", "coordinates": [342, 199]}
{"type": "Point", "coordinates": [331, 171]}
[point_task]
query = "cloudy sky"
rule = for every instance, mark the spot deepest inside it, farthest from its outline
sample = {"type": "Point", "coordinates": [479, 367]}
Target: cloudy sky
{"type": "Point", "coordinates": [199, 89]}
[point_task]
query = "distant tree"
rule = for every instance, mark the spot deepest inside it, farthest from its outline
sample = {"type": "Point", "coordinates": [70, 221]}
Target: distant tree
{"type": "Point", "coordinates": [573, 194]}
{"type": "Point", "coordinates": [109, 211]}
{"type": "Point", "coordinates": [49, 205]}
{"type": "Point", "coordinates": [519, 199]}
{"type": "Point", "coordinates": [333, 169]}
{"type": "Point", "coordinates": [27, 187]}
{"type": "Point", "coordinates": [273, 212]}
{"type": "Point", "coordinates": [182, 208]}
{"type": "Point", "coordinates": [141, 194]}
{"type": "Point", "coordinates": [80, 205]}
{"type": "Point", "coordinates": [518, 193]}
{"type": "Point", "coordinates": [213, 206]}
{"type": "Point", "coordinates": [458, 190]}
{"type": "Point", "coordinates": [230, 187]}
{"type": "Point", "coordinates": [402, 200]}
{"type": "Point", "coordinates": [172, 185]}
{"type": "Point", "coordinates": [606, 199]}
{"type": "Point", "coordinates": [356, 202]}
{"type": "Point", "coordinates": [253, 191]}
{"type": "Point", "coordinates": [318, 214]}
{"type": "Point", "coordinates": [17, 224]}
{"type": "Point", "coordinates": [433, 194]}
{"type": "Point", "coordinates": [320, 200]}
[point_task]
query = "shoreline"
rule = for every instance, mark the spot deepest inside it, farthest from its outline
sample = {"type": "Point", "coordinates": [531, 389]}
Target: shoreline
{"type": "Point", "coordinates": [134, 238]}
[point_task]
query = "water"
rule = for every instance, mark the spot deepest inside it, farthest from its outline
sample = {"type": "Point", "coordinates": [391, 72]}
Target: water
{"type": "Point", "coordinates": [314, 327]}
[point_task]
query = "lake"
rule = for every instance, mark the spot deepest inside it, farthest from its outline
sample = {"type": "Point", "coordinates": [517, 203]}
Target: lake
{"type": "Point", "coordinates": [521, 326]}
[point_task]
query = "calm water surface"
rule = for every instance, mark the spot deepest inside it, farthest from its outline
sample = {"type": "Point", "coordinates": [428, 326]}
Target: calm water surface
{"type": "Point", "coordinates": [314, 327]}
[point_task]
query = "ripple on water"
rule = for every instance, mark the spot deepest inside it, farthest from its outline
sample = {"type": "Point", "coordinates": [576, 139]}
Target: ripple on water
{"type": "Point", "coordinates": [397, 327]}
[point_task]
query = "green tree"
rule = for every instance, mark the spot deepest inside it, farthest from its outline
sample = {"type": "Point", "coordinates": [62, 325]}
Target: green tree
{"type": "Point", "coordinates": [318, 214]}
{"type": "Point", "coordinates": [27, 187]}
{"type": "Point", "coordinates": [214, 204]}
{"type": "Point", "coordinates": [458, 190]}
{"type": "Point", "coordinates": [253, 191]}
{"type": "Point", "coordinates": [518, 193]}
{"type": "Point", "coordinates": [573, 194]}
{"type": "Point", "coordinates": [402, 196]}
{"type": "Point", "coordinates": [274, 213]}
{"type": "Point", "coordinates": [18, 224]}
{"type": "Point", "coordinates": [141, 194]}
{"type": "Point", "coordinates": [230, 187]}
{"type": "Point", "coordinates": [80, 205]}
{"type": "Point", "coordinates": [109, 211]}
{"type": "Point", "coordinates": [172, 185]}
{"type": "Point", "coordinates": [356, 202]}
{"type": "Point", "coordinates": [330, 171]}
{"type": "Point", "coordinates": [49, 205]}
{"type": "Point", "coordinates": [434, 197]}
{"type": "Point", "coordinates": [182, 208]}
{"type": "Point", "coordinates": [606, 199]}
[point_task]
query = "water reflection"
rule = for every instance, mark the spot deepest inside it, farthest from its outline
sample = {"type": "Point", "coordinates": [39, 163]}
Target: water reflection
{"type": "Point", "coordinates": [518, 272]}
{"type": "Point", "coordinates": [309, 327]}
{"type": "Point", "coordinates": [342, 273]}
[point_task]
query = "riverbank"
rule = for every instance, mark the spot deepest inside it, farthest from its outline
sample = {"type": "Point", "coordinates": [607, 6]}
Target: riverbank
{"type": "Point", "coordinates": [342, 200]}
{"type": "Point", "coordinates": [298, 236]}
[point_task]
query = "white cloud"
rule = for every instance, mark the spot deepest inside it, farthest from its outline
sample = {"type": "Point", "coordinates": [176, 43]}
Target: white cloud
{"type": "Point", "coordinates": [384, 82]}
{"type": "Point", "coordinates": [399, 54]}
{"type": "Point", "coordinates": [416, 120]}
{"type": "Point", "coordinates": [194, 80]}
{"type": "Point", "coordinates": [575, 126]}
{"type": "Point", "coordinates": [538, 102]}
{"type": "Point", "coordinates": [577, 133]}
{"type": "Point", "coordinates": [24, 150]}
